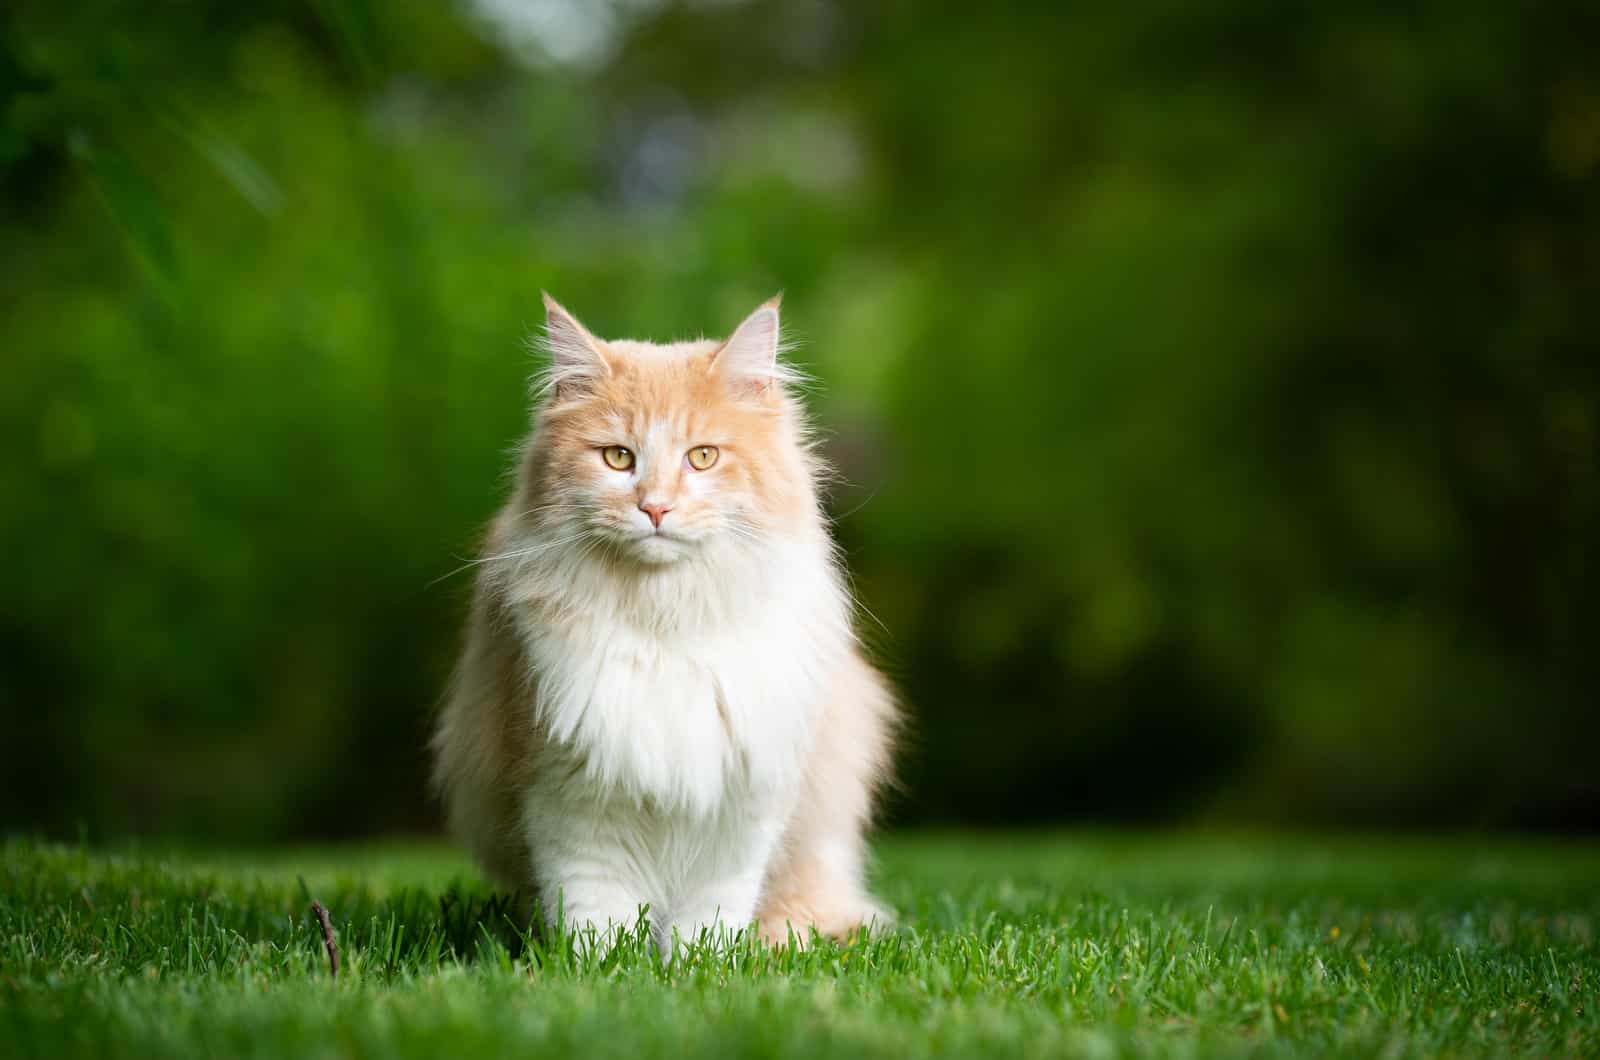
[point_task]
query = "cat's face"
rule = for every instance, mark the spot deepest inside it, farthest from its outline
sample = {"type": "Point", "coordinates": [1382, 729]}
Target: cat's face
{"type": "Point", "coordinates": [659, 452]}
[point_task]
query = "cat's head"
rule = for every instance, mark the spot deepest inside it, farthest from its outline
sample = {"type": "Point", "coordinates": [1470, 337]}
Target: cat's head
{"type": "Point", "coordinates": [658, 452]}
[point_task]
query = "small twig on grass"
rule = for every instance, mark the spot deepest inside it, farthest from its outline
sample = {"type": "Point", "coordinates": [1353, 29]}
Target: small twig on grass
{"type": "Point", "coordinates": [327, 935]}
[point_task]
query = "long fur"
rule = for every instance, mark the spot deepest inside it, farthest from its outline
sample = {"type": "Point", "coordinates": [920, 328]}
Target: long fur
{"type": "Point", "coordinates": [677, 719]}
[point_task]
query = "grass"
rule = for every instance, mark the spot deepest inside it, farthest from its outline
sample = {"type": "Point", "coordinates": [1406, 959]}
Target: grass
{"type": "Point", "coordinates": [1021, 945]}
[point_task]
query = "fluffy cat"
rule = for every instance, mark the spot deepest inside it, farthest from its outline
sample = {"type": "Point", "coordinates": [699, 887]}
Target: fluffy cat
{"type": "Point", "coordinates": [660, 701]}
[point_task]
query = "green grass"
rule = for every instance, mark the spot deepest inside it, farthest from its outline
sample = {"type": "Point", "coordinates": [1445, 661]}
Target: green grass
{"type": "Point", "coordinates": [1021, 945]}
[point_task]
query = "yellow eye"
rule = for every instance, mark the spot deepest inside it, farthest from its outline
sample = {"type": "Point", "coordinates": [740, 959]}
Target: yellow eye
{"type": "Point", "coordinates": [703, 456]}
{"type": "Point", "coordinates": [617, 458]}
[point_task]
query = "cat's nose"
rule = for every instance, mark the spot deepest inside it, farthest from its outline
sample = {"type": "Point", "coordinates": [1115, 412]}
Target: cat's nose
{"type": "Point", "coordinates": [655, 511]}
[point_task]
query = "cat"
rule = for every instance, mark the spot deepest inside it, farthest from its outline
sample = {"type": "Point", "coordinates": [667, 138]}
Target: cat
{"type": "Point", "coordinates": [660, 703]}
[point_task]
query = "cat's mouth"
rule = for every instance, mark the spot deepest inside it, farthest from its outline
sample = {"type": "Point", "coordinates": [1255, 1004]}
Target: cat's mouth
{"type": "Point", "coordinates": [660, 546]}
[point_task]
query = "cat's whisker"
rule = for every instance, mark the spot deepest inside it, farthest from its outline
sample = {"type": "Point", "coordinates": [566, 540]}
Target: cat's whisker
{"type": "Point", "coordinates": [532, 550]}
{"type": "Point", "coordinates": [856, 508]}
{"type": "Point", "coordinates": [480, 560]}
{"type": "Point", "coordinates": [596, 543]}
{"type": "Point", "coordinates": [524, 553]}
{"type": "Point", "coordinates": [556, 506]}
{"type": "Point", "coordinates": [857, 603]}
{"type": "Point", "coordinates": [447, 575]}
{"type": "Point", "coordinates": [501, 556]}
{"type": "Point", "coordinates": [469, 564]}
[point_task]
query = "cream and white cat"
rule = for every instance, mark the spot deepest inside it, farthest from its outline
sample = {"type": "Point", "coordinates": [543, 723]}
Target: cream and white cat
{"type": "Point", "coordinates": [661, 701]}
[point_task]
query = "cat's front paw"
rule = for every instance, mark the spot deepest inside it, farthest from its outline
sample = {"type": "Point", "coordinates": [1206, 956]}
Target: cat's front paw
{"type": "Point", "coordinates": [792, 921]}
{"type": "Point", "coordinates": [597, 933]}
{"type": "Point", "coordinates": [715, 932]}
{"type": "Point", "coordinates": [597, 937]}
{"type": "Point", "coordinates": [779, 931]}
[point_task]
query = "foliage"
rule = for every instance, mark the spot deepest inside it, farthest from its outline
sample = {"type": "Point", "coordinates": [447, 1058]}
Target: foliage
{"type": "Point", "coordinates": [1213, 388]}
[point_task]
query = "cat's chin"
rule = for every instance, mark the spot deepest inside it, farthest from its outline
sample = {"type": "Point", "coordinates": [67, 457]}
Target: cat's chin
{"type": "Point", "coordinates": [657, 550]}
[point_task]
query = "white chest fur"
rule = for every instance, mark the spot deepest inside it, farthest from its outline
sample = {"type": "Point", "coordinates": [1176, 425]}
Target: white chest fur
{"type": "Point", "coordinates": [694, 690]}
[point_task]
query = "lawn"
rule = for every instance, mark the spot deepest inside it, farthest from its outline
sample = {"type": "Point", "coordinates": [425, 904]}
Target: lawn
{"type": "Point", "coordinates": [1095, 945]}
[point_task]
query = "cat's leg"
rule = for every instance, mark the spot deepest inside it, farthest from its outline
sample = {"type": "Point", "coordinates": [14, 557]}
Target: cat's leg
{"type": "Point", "coordinates": [717, 910]}
{"type": "Point", "coordinates": [720, 898]}
{"type": "Point", "coordinates": [818, 879]}
{"type": "Point", "coordinates": [594, 906]}
{"type": "Point", "coordinates": [818, 884]}
{"type": "Point", "coordinates": [587, 878]}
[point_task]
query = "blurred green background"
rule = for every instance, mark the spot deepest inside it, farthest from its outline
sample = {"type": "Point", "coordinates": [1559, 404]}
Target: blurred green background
{"type": "Point", "coordinates": [1216, 388]}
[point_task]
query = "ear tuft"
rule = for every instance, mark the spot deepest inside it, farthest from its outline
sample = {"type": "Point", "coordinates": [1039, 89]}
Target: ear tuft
{"type": "Point", "coordinates": [749, 359]}
{"type": "Point", "coordinates": [576, 359]}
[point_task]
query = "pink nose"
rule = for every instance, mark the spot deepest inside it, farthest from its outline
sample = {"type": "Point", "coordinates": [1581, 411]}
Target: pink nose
{"type": "Point", "coordinates": [656, 512]}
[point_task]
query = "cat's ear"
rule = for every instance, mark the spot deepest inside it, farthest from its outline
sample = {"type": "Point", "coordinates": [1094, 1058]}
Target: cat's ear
{"type": "Point", "coordinates": [748, 361]}
{"type": "Point", "coordinates": [577, 360]}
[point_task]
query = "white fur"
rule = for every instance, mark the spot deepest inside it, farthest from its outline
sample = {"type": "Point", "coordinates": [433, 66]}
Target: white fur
{"type": "Point", "coordinates": [677, 703]}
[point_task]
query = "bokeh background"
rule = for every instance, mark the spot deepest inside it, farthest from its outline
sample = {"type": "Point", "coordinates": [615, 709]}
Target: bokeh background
{"type": "Point", "coordinates": [1216, 388]}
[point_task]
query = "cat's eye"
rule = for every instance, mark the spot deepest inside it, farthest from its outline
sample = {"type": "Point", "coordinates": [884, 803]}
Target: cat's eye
{"type": "Point", "coordinates": [703, 456]}
{"type": "Point", "coordinates": [617, 457]}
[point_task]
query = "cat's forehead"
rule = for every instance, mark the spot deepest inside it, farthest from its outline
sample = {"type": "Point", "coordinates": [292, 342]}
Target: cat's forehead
{"type": "Point", "coordinates": [660, 354]}
{"type": "Point", "coordinates": [656, 385]}
{"type": "Point", "coordinates": [637, 419]}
